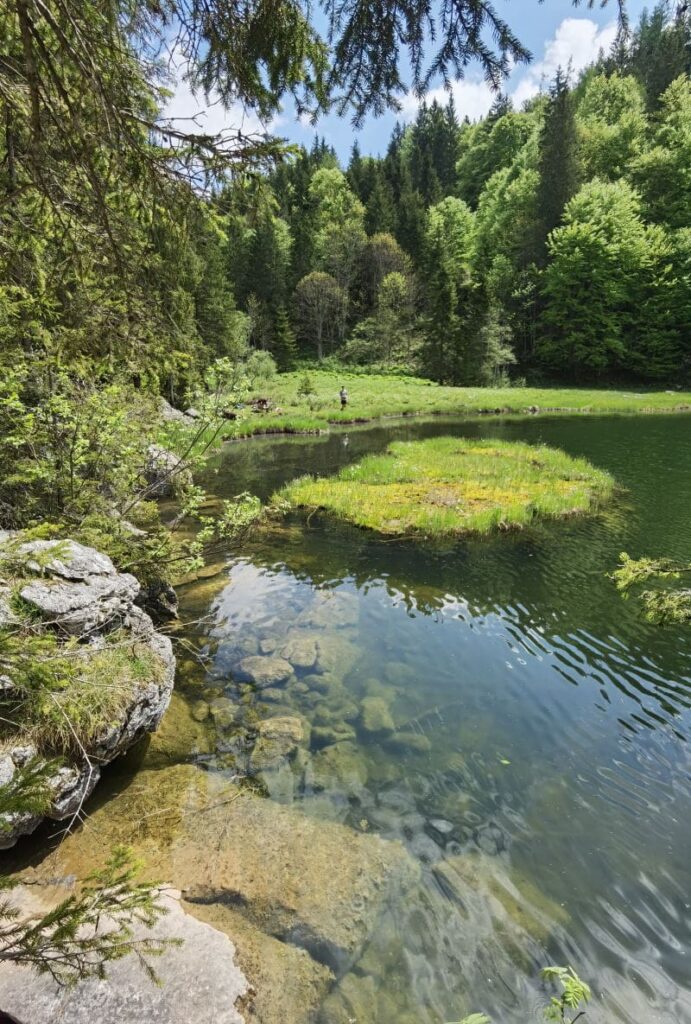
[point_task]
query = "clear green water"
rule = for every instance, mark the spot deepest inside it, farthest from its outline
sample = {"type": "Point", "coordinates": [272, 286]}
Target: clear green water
{"type": "Point", "coordinates": [512, 649]}
{"type": "Point", "coordinates": [544, 786]}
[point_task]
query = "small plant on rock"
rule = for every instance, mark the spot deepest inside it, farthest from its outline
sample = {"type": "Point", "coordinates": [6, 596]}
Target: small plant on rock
{"type": "Point", "coordinates": [574, 994]}
{"type": "Point", "coordinates": [95, 924]}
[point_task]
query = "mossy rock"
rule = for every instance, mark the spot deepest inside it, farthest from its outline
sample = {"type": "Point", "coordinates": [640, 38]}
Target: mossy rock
{"type": "Point", "coordinates": [375, 716]}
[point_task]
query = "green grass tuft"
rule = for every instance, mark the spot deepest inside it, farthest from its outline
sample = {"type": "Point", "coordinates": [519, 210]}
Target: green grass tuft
{"type": "Point", "coordinates": [451, 486]}
{"type": "Point", "coordinates": [66, 694]}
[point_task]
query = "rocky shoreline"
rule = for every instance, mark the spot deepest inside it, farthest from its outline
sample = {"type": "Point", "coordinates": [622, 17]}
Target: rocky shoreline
{"type": "Point", "coordinates": [75, 592]}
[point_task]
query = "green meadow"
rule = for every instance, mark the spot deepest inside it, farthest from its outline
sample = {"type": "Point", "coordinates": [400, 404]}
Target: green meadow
{"type": "Point", "coordinates": [372, 396]}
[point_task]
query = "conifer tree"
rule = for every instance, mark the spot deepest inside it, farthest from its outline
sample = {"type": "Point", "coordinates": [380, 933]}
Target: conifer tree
{"type": "Point", "coordinates": [285, 346]}
{"type": "Point", "coordinates": [558, 161]}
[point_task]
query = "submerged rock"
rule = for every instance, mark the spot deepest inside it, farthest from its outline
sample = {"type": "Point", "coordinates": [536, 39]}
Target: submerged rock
{"type": "Point", "coordinates": [325, 735]}
{"type": "Point", "coordinates": [375, 716]}
{"type": "Point", "coordinates": [340, 766]}
{"type": "Point", "coordinates": [317, 885]}
{"type": "Point", "coordinates": [354, 999]}
{"type": "Point", "coordinates": [288, 986]}
{"type": "Point", "coordinates": [337, 655]}
{"type": "Point", "coordinates": [424, 848]}
{"type": "Point", "coordinates": [301, 652]}
{"type": "Point", "coordinates": [268, 644]}
{"type": "Point", "coordinates": [323, 683]}
{"type": "Point", "coordinates": [278, 739]}
{"type": "Point", "coordinates": [490, 838]}
{"type": "Point", "coordinates": [273, 694]}
{"type": "Point", "coordinates": [409, 743]}
{"type": "Point", "coordinates": [200, 711]}
{"type": "Point", "coordinates": [264, 670]}
{"type": "Point", "coordinates": [440, 830]}
{"type": "Point", "coordinates": [399, 674]}
{"type": "Point", "coordinates": [224, 711]}
{"type": "Point", "coordinates": [331, 610]}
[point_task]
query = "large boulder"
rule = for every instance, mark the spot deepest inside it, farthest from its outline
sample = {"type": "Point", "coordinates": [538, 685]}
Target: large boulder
{"type": "Point", "coordinates": [276, 880]}
{"type": "Point", "coordinates": [81, 608]}
{"type": "Point", "coordinates": [77, 588]}
{"type": "Point", "coordinates": [79, 592]}
{"type": "Point", "coordinates": [287, 985]}
{"type": "Point", "coordinates": [314, 884]}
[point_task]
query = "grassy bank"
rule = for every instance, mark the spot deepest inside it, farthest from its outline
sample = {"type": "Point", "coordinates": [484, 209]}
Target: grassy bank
{"type": "Point", "coordinates": [449, 486]}
{"type": "Point", "coordinates": [375, 395]}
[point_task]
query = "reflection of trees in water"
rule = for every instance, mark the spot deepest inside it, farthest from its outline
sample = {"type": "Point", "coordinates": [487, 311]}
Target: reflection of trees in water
{"type": "Point", "coordinates": [549, 586]}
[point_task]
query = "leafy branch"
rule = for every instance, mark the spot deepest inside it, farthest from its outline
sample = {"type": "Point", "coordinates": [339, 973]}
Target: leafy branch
{"type": "Point", "coordinates": [665, 603]}
{"type": "Point", "coordinates": [91, 928]}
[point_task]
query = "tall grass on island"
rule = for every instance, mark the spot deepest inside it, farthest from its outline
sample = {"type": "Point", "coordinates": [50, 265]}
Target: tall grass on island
{"type": "Point", "coordinates": [450, 486]}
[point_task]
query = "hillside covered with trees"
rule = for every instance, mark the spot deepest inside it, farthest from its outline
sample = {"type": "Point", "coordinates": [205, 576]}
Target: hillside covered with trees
{"type": "Point", "coordinates": [548, 242]}
{"type": "Point", "coordinates": [551, 242]}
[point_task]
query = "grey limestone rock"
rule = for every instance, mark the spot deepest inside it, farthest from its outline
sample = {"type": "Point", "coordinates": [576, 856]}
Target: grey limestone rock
{"type": "Point", "coordinates": [201, 981]}
{"type": "Point", "coordinates": [169, 414]}
{"type": "Point", "coordinates": [164, 472]}
{"type": "Point", "coordinates": [71, 561]}
{"type": "Point", "coordinates": [81, 593]}
{"type": "Point", "coordinates": [81, 607]}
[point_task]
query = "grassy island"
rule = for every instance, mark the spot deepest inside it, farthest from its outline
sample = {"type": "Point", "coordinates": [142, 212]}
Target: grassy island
{"type": "Point", "coordinates": [449, 486]}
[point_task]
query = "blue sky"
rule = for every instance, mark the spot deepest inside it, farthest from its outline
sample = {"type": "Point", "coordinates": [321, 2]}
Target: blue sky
{"type": "Point", "coordinates": [555, 31]}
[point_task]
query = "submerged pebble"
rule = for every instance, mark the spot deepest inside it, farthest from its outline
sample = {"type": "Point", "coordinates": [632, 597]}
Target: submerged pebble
{"type": "Point", "coordinates": [200, 711]}
{"type": "Point", "coordinates": [375, 716]}
{"type": "Point", "coordinates": [409, 742]}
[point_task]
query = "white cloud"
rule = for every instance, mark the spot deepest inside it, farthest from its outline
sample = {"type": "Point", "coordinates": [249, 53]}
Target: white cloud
{"type": "Point", "coordinates": [472, 99]}
{"type": "Point", "coordinates": [191, 112]}
{"type": "Point", "coordinates": [576, 40]}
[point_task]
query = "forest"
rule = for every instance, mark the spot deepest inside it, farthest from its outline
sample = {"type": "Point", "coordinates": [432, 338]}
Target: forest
{"type": "Point", "coordinates": [551, 243]}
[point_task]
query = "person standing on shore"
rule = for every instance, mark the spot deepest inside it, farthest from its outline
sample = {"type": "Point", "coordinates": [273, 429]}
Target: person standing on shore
{"type": "Point", "coordinates": [344, 397]}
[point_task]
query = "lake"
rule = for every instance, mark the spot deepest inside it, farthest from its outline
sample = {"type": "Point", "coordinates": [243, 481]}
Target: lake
{"type": "Point", "coordinates": [531, 745]}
